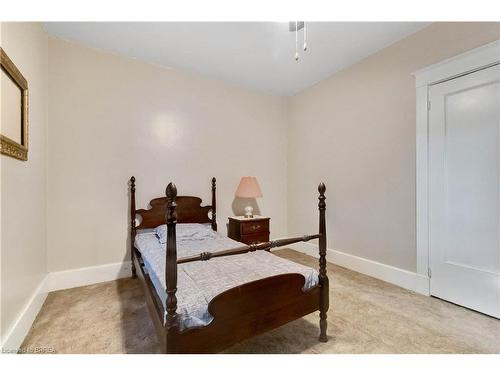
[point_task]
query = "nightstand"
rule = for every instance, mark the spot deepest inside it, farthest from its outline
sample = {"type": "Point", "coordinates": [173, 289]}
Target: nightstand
{"type": "Point", "coordinates": [249, 230]}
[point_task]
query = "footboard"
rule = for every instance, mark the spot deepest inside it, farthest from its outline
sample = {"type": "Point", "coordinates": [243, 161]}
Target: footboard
{"type": "Point", "coordinates": [246, 310]}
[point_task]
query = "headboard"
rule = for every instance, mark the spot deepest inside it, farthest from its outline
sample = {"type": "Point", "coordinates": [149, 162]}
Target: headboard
{"type": "Point", "coordinates": [189, 210]}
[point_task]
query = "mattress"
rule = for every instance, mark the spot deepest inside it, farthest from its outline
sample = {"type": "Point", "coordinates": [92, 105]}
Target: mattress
{"type": "Point", "coordinates": [199, 282]}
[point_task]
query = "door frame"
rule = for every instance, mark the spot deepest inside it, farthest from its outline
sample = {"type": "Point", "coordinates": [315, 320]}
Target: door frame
{"type": "Point", "coordinates": [465, 63]}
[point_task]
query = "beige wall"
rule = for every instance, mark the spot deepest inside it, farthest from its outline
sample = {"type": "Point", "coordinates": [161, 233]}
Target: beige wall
{"type": "Point", "coordinates": [113, 117]}
{"type": "Point", "coordinates": [356, 131]}
{"type": "Point", "coordinates": [23, 184]}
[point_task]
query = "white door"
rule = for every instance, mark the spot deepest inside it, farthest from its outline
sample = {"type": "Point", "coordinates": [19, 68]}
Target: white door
{"type": "Point", "coordinates": [464, 183]}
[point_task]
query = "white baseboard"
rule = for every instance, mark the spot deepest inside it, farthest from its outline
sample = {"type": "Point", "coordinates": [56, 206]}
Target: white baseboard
{"type": "Point", "coordinates": [87, 276]}
{"type": "Point", "coordinates": [403, 278]}
{"type": "Point", "coordinates": [22, 325]}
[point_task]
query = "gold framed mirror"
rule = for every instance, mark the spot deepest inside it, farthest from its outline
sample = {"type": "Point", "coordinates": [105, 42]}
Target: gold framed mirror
{"type": "Point", "coordinates": [13, 110]}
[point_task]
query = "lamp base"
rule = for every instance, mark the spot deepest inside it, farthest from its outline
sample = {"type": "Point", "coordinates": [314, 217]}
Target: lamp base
{"type": "Point", "coordinates": [248, 212]}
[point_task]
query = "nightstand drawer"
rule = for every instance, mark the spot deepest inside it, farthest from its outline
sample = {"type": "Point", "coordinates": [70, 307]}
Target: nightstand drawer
{"type": "Point", "coordinates": [250, 239]}
{"type": "Point", "coordinates": [247, 230]}
{"type": "Point", "coordinates": [254, 226]}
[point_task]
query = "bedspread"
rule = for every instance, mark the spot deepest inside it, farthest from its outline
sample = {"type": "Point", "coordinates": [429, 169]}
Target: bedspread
{"type": "Point", "coordinates": [199, 282]}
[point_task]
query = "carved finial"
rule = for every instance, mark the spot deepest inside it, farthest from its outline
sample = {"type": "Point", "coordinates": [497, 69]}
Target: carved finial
{"type": "Point", "coordinates": [322, 198]}
{"type": "Point", "coordinates": [321, 188]}
{"type": "Point", "coordinates": [213, 181]}
{"type": "Point", "coordinates": [132, 183]}
{"type": "Point", "coordinates": [171, 190]}
{"type": "Point", "coordinates": [171, 214]}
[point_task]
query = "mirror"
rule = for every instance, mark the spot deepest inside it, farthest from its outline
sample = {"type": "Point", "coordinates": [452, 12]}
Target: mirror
{"type": "Point", "coordinates": [13, 110]}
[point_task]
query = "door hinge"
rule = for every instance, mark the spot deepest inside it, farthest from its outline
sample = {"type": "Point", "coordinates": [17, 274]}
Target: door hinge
{"type": "Point", "coordinates": [428, 105]}
{"type": "Point", "coordinates": [429, 273]}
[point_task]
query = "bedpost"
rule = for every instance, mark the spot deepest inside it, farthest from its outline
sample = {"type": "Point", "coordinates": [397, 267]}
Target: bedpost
{"type": "Point", "coordinates": [171, 266]}
{"type": "Point", "coordinates": [323, 278]}
{"type": "Point", "coordinates": [214, 207]}
{"type": "Point", "coordinates": [132, 224]}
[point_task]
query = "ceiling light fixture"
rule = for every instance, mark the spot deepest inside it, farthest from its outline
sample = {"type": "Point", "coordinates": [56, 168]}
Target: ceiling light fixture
{"type": "Point", "coordinates": [296, 26]}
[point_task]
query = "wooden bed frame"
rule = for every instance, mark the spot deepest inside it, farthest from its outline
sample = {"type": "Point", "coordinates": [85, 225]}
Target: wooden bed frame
{"type": "Point", "coordinates": [238, 313]}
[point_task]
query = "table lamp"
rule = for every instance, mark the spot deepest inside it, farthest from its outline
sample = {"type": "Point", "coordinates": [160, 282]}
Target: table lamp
{"type": "Point", "coordinates": [248, 188]}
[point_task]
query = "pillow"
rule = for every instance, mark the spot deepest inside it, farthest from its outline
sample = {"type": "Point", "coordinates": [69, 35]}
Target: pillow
{"type": "Point", "coordinates": [186, 232]}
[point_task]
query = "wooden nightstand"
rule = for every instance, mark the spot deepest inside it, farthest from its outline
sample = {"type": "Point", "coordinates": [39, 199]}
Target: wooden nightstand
{"type": "Point", "coordinates": [249, 231]}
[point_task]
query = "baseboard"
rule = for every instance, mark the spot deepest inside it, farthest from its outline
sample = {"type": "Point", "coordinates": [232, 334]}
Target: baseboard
{"type": "Point", "coordinates": [403, 278]}
{"type": "Point", "coordinates": [87, 276]}
{"type": "Point", "coordinates": [22, 325]}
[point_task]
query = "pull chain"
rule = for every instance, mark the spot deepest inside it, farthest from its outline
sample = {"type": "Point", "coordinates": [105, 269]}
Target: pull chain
{"type": "Point", "coordinates": [305, 37]}
{"type": "Point", "coordinates": [298, 26]}
{"type": "Point", "coordinates": [296, 42]}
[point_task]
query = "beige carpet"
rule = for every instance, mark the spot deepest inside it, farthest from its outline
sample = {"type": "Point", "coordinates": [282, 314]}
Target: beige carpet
{"type": "Point", "coordinates": [366, 316]}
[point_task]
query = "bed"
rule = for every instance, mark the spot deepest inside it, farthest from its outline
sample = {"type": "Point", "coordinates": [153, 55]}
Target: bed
{"type": "Point", "coordinates": [205, 291]}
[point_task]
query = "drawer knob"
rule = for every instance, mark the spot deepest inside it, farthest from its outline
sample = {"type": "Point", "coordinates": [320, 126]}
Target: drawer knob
{"type": "Point", "coordinates": [255, 227]}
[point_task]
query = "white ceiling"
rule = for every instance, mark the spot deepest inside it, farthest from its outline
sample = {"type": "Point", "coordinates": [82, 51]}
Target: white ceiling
{"type": "Point", "coordinates": [257, 55]}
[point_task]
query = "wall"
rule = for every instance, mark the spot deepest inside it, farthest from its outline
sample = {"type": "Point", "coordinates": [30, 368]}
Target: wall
{"type": "Point", "coordinates": [112, 117]}
{"type": "Point", "coordinates": [23, 184]}
{"type": "Point", "coordinates": [356, 131]}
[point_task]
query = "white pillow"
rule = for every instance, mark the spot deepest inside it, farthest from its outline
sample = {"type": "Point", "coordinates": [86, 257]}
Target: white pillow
{"type": "Point", "coordinates": [186, 232]}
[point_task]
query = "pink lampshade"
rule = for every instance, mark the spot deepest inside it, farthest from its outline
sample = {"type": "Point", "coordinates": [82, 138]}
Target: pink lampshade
{"type": "Point", "coordinates": [248, 188]}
